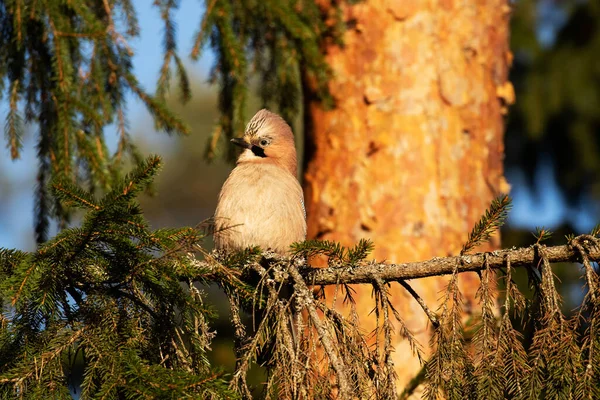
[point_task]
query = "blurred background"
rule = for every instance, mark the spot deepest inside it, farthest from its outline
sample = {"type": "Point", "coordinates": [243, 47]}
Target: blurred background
{"type": "Point", "coordinates": [552, 143]}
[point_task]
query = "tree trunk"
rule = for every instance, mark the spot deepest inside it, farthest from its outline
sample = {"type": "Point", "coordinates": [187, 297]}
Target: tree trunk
{"type": "Point", "coordinates": [411, 156]}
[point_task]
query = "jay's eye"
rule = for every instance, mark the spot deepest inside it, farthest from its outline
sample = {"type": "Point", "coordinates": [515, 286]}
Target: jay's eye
{"type": "Point", "coordinates": [264, 142]}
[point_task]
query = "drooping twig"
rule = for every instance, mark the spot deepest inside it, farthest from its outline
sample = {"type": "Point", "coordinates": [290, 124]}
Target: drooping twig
{"type": "Point", "coordinates": [305, 296]}
{"type": "Point", "coordinates": [510, 352]}
{"type": "Point", "coordinates": [246, 354]}
{"type": "Point", "coordinates": [579, 243]}
{"type": "Point", "coordinates": [387, 331]}
{"type": "Point", "coordinates": [240, 342]}
{"type": "Point", "coordinates": [548, 287]}
{"type": "Point", "coordinates": [430, 314]}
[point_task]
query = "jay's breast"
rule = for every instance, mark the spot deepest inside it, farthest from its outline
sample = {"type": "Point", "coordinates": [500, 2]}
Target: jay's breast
{"type": "Point", "coordinates": [265, 212]}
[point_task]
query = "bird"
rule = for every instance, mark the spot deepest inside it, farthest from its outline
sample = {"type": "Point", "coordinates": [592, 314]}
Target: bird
{"type": "Point", "coordinates": [261, 203]}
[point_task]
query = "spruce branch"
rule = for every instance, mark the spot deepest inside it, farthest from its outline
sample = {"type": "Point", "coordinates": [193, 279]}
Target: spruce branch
{"type": "Point", "coordinates": [136, 181]}
{"type": "Point", "coordinates": [333, 250]}
{"type": "Point", "coordinates": [488, 372]}
{"type": "Point", "coordinates": [510, 352]}
{"type": "Point", "coordinates": [492, 220]}
{"type": "Point", "coordinates": [73, 196]}
{"type": "Point", "coordinates": [364, 272]}
{"type": "Point", "coordinates": [202, 34]}
{"type": "Point", "coordinates": [13, 128]}
{"type": "Point", "coordinates": [163, 117]}
{"type": "Point", "coordinates": [542, 234]}
{"type": "Point", "coordinates": [553, 340]}
{"type": "Point", "coordinates": [143, 333]}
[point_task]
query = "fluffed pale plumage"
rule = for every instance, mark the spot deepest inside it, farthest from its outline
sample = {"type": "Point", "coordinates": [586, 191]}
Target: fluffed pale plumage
{"type": "Point", "coordinates": [261, 202]}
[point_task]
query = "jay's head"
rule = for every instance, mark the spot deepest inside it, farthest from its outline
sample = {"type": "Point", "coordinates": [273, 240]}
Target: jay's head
{"type": "Point", "coordinates": [268, 139]}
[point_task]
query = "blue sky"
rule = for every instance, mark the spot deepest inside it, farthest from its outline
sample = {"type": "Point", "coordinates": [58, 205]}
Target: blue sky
{"type": "Point", "coordinates": [16, 219]}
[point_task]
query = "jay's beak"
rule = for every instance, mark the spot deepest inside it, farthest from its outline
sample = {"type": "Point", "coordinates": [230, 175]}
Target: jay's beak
{"type": "Point", "coordinates": [241, 142]}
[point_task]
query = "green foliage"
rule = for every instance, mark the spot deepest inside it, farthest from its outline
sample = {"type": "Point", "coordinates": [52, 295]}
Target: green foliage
{"type": "Point", "coordinates": [542, 234]}
{"type": "Point", "coordinates": [120, 295]}
{"type": "Point", "coordinates": [336, 252]}
{"type": "Point", "coordinates": [595, 231]}
{"type": "Point", "coordinates": [492, 220]}
{"type": "Point", "coordinates": [65, 67]}
{"type": "Point", "coordinates": [556, 116]}
{"type": "Point", "coordinates": [170, 54]}
{"type": "Point", "coordinates": [13, 130]}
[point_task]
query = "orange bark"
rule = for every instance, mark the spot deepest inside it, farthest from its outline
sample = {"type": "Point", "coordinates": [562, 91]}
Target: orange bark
{"type": "Point", "coordinates": [411, 155]}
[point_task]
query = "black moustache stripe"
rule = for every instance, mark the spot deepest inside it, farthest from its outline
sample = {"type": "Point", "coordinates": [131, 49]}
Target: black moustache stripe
{"type": "Point", "coordinates": [258, 151]}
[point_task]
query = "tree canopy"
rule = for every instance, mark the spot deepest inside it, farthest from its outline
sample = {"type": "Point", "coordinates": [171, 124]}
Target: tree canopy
{"type": "Point", "coordinates": [557, 84]}
{"type": "Point", "coordinates": [67, 66]}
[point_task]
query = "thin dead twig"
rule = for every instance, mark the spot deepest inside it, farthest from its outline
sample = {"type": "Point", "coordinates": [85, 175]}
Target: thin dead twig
{"type": "Point", "coordinates": [430, 314]}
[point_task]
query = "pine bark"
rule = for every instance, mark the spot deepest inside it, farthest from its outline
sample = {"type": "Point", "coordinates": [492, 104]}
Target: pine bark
{"type": "Point", "coordinates": [411, 155]}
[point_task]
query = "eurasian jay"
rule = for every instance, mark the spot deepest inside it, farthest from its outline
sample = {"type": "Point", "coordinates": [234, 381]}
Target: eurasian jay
{"type": "Point", "coordinates": [261, 202]}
